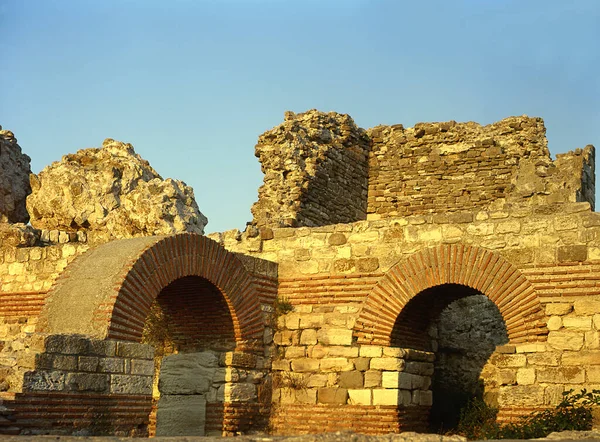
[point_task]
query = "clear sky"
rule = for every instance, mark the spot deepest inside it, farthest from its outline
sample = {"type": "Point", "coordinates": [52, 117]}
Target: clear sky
{"type": "Point", "coordinates": [191, 84]}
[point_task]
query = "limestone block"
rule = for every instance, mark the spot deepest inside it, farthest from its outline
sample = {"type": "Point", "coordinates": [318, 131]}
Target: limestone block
{"type": "Point", "coordinates": [525, 376]}
{"type": "Point", "coordinates": [388, 364]}
{"type": "Point", "coordinates": [572, 253]}
{"type": "Point", "coordinates": [333, 396]}
{"type": "Point", "coordinates": [597, 321]}
{"type": "Point", "coordinates": [334, 336]}
{"type": "Point", "coordinates": [317, 380]}
{"type": "Point", "coordinates": [292, 321]}
{"type": "Point", "coordinates": [370, 351]}
{"type": "Point", "coordinates": [187, 373]}
{"type": "Point", "coordinates": [359, 397]}
{"type": "Point", "coordinates": [181, 415]}
{"type": "Point", "coordinates": [241, 392]}
{"type": "Point", "coordinates": [553, 394]}
{"type": "Point", "coordinates": [577, 322]}
{"type": "Point", "coordinates": [588, 357]}
{"type": "Point", "coordinates": [547, 358]}
{"type": "Point", "coordinates": [341, 351]}
{"type": "Point", "coordinates": [305, 365]}
{"type": "Point", "coordinates": [295, 352]}
{"type": "Point", "coordinates": [280, 365]}
{"type": "Point", "coordinates": [336, 364]}
{"type": "Point", "coordinates": [308, 337]}
{"type": "Point", "coordinates": [361, 364]}
{"type": "Point", "coordinates": [586, 307]}
{"type": "Point", "coordinates": [565, 340]}
{"type": "Point", "coordinates": [306, 396]}
{"type": "Point", "coordinates": [530, 348]}
{"type": "Point", "coordinates": [521, 395]}
{"type": "Point", "coordinates": [373, 378]}
{"type": "Point", "coordinates": [351, 379]}
{"type": "Point", "coordinates": [130, 384]}
{"type": "Point", "coordinates": [98, 383]}
{"type": "Point", "coordinates": [236, 359]}
{"type": "Point", "coordinates": [395, 352]}
{"type": "Point", "coordinates": [511, 226]}
{"type": "Point", "coordinates": [391, 379]}
{"type": "Point", "coordinates": [559, 375]}
{"type": "Point", "coordinates": [554, 323]}
{"type": "Point", "coordinates": [592, 340]}
{"type": "Point", "coordinates": [593, 374]}
{"type": "Point", "coordinates": [386, 397]}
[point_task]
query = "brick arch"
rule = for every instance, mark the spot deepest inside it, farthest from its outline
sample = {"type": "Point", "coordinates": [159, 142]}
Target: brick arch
{"type": "Point", "coordinates": [470, 266]}
{"type": "Point", "coordinates": [120, 280]}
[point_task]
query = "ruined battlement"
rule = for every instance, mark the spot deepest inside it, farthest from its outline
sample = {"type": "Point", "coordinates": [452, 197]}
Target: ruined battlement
{"type": "Point", "coordinates": [322, 169]}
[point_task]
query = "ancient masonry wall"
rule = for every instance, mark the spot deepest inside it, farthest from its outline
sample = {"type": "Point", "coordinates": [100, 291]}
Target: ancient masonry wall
{"type": "Point", "coordinates": [329, 273]}
{"type": "Point", "coordinates": [317, 165]}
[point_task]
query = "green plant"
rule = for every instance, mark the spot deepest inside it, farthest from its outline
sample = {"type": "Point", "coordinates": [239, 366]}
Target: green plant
{"type": "Point", "coordinates": [282, 306]}
{"type": "Point", "coordinates": [286, 379]}
{"type": "Point", "coordinates": [574, 412]}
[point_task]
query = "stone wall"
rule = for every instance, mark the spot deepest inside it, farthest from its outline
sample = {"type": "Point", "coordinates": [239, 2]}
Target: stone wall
{"type": "Point", "coordinates": [14, 179]}
{"type": "Point", "coordinates": [315, 167]}
{"type": "Point", "coordinates": [449, 167]}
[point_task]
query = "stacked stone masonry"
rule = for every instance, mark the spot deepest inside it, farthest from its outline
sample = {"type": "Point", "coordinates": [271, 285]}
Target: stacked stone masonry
{"type": "Point", "coordinates": [333, 309]}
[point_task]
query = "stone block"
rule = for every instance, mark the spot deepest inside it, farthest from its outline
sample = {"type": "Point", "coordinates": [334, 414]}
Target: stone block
{"type": "Point", "coordinates": [308, 337]}
{"type": "Point", "coordinates": [560, 375]}
{"type": "Point", "coordinates": [572, 253]}
{"type": "Point", "coordinates": [394, 379]}
{"type": "Point", "coordinates": [317, 380]}
{"type": "Point", "coordinates": [305, 365]}
{"type": "Point", "coordinates": [554, 323]}
{"type": "Point", "coordinates": [546, 358]}
{"type": "Point", "coordinates": [234, 359]}
{"type": "Point", "coordinates": [65, 362]}
{"type": "Point", "coordinates": [337, 239]}
{"type": "Point", "coordinates": [508, 360]}
{"type": "Point", "coordinates": [333, 396]}
{"type": "Point", "coordinates": [311, 320]}
{"type": "Point", "coordinates": [280, 365]}
{"type": "Point", "coordinates": [342, 351]}
{"type": "Point", "coordinates": [577, 322]}
{"type": "Point", "coordinates": [130, 384]}
{"type": "Point", "coordinates": [386, 397]}
{"type": "Point", "coordinates": [521, 395]}
{"type": "Point", "coordinates": [306, 396]}
{"type": "Point", "coordinates": [526, 376]}
{"type": "Point", "coordinates": [67, 344]}
{"type": "Point", "coordinates": [187, 373]}
{"type": "Point", "coordinates": [361, 364]}
{"type": "Point", "coordinates": [584, 307]}
{"type": "Point", "coordinates": [359, 397]}
{"type": "Point", "coordinates": [336, 364]}
{"type": "Point", "coordinates": [592, 340]}
{"type": "Point", "coordinates": [421, 397]}
{"type": "Point", "coordinates": [593, 374]}
{"type": "Point", "coordinates": [103, 348]}
{"type": "Point", "coordinates": [373, 378]}
{"type": "Point", "coordinates": [111, 365]}
{"type": "Point", "coordinates": [370, 351]}
{"type": "Point", "coordinates": [580, 358]}
{"type": "Point", "coordinates": [387, 364]}
{"type": "Point", "coordinates": [241, 392]}
{"type": "Point", "coordinates": [88, 363]}
{"type": "Point", "coordinates": [92, 382]}
{"type": "Point", "coordinates": [351, 379]}
{"type": "Point", "coordinates": [395, 352]}
{"type": "Point", "coordinates": [181, 415]}
{"type": "Point", "coordinates": [553, 394]}
{"type": "Point", "coordinates": [42, 380]}
{"type": "Point", "coordinates": [530, 348]}
{"type": "Point", "coordinates": [565, 340]}
{"type": "Point", "coordinates": [295, 352]}
{"type": "Point", "coordinates": [420, 368]}
{"type": "Point", "coordinates": [334, 336]}
{"type": "Point", "coordinates": [134, 350]}
{"type": "Point", "coordinates": [142, 367]}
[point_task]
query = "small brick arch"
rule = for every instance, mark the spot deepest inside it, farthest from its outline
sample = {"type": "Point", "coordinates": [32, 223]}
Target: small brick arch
{"type": "Point", "coordinates": [121, 279]}
{"type": "Point", "coordinates": [471, 266]}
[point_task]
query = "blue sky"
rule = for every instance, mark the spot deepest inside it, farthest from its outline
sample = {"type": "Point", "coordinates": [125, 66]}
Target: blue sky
{"type": "Point", "coordinates": [191, 84]}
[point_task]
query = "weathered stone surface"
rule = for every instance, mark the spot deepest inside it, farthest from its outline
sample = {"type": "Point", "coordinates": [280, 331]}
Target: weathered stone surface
{"type": "Point", "coordinates": [113, 191]}
{"type": "Point", "coordinates": [236, 393]}
{"type": "Point", "coordinates": [316, 171]}
{"type": "Point", "coordinates": [332, 395]}
{"type": "Point", "coordinates": [187, 373]}
{"type": "Point", "coordinates": [14, 179]}
{"type": "Point", "coordinates": [15, 235]}
{"type": "Point", "coordinates": [180, 415]}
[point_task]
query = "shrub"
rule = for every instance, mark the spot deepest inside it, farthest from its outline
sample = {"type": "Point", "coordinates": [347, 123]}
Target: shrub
{"type": "Point", "coordinates": [574, 412]}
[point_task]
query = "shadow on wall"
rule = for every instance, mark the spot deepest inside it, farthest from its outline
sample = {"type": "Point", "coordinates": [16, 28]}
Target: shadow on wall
{"type": "Point", "coordinates": [462, 327]}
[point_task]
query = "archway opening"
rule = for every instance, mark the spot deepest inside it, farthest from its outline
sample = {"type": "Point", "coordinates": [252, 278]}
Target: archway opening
{"type": "Point", "coordinates": [462, 327]}
{"type": "Point", "coordinates": [191, 327]}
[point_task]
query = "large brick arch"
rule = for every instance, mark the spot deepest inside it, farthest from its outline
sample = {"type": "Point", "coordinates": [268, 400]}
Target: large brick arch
{"type": "Point", "coordinates": [471, 266]}
{"type": "Point", "coordinates": [107, 292]}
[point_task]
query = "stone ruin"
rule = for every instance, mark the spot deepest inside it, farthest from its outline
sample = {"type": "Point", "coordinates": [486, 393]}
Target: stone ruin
{"type": "Point", "coordinates": [387, 276]}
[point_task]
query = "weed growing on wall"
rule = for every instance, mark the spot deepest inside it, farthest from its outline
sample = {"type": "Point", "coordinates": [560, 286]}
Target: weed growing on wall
{"type": "Point", "coordinates": [478, 420]}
